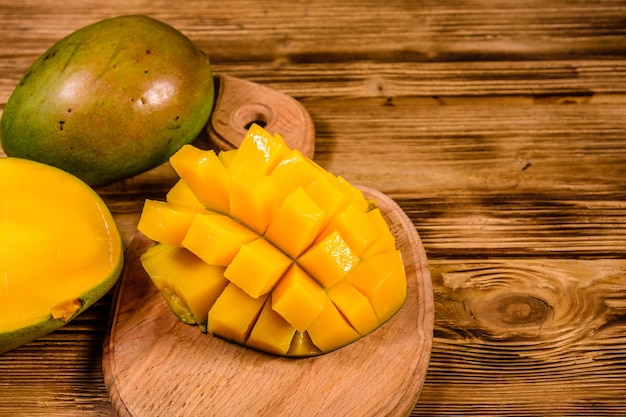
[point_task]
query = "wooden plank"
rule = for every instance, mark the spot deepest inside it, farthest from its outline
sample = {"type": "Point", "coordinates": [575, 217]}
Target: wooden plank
{"type": "Point", "coordinates": [503, 82]}
{"type": "Point", "coordinates": [473, 49]}
{"type": "Point", "coordinates": [484, 180]}
{"type": "Point", "coordinates": [506, 334]}
{"type": "Point", "coordinates": [473, 83]}
{"type": "Point", "coordinates": [464, 149]}
{"type": "Point", "coordinates": [427, 30]}
{"type": "Point", "coordinates": [59, 374]}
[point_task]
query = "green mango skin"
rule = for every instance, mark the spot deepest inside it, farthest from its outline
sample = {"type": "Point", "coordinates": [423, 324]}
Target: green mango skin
{"type": "Point", "coordinates": [110, 100]}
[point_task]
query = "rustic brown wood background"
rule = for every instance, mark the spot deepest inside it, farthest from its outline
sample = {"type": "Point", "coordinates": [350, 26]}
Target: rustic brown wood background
{"type": "Point", "coordinates": [498, 126]}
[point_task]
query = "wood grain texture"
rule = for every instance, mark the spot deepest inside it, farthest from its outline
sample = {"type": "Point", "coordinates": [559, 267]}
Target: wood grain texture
{"type": "Point", "coordinates": [497, 126]}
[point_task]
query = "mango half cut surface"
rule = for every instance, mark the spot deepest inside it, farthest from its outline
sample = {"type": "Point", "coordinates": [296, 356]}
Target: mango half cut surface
{"type": "Point", "coordinates": [60, 250]}
{"type": "Point", "coordinates": [263, 247]}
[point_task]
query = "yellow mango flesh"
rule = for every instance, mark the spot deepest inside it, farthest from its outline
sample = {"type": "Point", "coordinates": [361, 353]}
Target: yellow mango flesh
{"type": "Point", "coordinates": [330, 330]}
{"type": "Point", "coordinates": [216, 238]}
{"type": "Point", "coordinates": [271, 332]}
{"type": "Point", "coordinates": [292, 172]}
{"type": "Point", "coordinates": [166, 223]}
{"type": "Point", "coordinates": [298, 298]}
{"type": "Point", "coordinates": [234, 314]}
{"type": "Point", "coordinates": [354, 306]}
{"type": "Point", "coordinates": [60, 249]}
{"type": "Point", "coordinates": [192, 284]}
{"type": "Point", "coordinates": [257, 267]}
{"type": "Point", "coordinates": [329, 260]}
{"type": "Point", "coordinates": [259, 152]}
{"type": "Point", "coordinates": [297, 212]}
{"type": "Point", "coordinates": [307, 263]}
{"type": "Point", "coordinates": [182, 195]}
{"type": "Point", "coordinates": [381, 279]}
{"type": "Point", "coordinates": [204, 174]}
{"type": "Point", "coordinates": [252, 199]}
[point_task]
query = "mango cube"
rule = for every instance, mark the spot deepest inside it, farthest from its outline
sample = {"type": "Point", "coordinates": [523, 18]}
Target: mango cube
{"type": "Point", "coordinates": [182, 195]}
{"type": "Point", "coordinates": [355, 195]}
{"type": "Point", "coordinates": [330, 330]}
{"type": "Point", "coordinates": [252, 199]}
{"type": "Point", "coordinates": [297, 212]}
{"type": "Point", "coordinates": [298, 298]}
{"type": "Point", "coordinates": [262, 246]}
{"type": "Point", "coordinates": [165, 223]}
{"type": "Point", "coordinates": [328, 193]}
{"type": "Point", "coordinates": [216, 238]}
{"type": "Point", "coordinates": [385, 242]}
{"type": "Point", "coordinates": [204, 174]}
{"type": "Point", "coordinates": [226, 156]}
{"type": "Point", "coordinates": [329, 260]}
{"type": "Point", "coordinates": [259, 151]}
{"type": "Point", "coordinates": [354, 306]}
{"type": "Point", "coordinates": [234, 313]}
{"type": "Point", "coordinates": [296, 170]}
{"type": "Point", "coordinates": [193, 285]}
{"type": "Point", "coordinates": [381, 278]}
{"type": "Point", "coordinates": [271, 332]}
{"type": "Point", "coordinates": [257, 267]}
{"type": "Point", "coordinates": [357, 228]}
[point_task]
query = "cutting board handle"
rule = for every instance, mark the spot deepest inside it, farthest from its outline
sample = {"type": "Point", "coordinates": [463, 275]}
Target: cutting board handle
{"type": "Point", "coordinates": [239, 103]}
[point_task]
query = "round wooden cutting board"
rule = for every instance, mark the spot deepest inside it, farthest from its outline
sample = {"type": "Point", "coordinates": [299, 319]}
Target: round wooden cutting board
{"type": "Point", "coordinates": [155, 365]}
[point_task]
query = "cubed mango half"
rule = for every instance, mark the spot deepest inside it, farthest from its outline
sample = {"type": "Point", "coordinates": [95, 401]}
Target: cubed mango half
{"type": "Point", "coordinates": [263, 247]}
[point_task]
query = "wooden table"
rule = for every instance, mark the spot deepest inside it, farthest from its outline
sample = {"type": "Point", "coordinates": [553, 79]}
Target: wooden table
{"type": "Point", "coordinates": [498, 126]}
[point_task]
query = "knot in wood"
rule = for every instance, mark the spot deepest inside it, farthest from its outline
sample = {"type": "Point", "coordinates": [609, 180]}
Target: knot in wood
{"type": "Point", "coordinates": [521, 310]}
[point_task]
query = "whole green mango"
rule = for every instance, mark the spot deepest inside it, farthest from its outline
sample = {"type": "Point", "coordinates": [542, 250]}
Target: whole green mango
{"type": "Point", "coordinates": [110, 100]}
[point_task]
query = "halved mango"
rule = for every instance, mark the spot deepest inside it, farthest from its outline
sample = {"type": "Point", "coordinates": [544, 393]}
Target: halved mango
{"type": "Point", "coordinates": [310, 263]}
{"type": "Point", "coordinates": [60, 249]}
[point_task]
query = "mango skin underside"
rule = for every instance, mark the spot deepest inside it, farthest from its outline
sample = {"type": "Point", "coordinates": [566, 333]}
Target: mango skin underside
{"type": "Point", "coordinates": [110, 100]}
{"type": "Point", "coordinates": [264, 248]}
{"type": "Point", "coordinates": [33, 196]}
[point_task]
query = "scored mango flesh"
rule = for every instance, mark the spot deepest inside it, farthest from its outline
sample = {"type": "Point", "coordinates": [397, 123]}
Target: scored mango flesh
{"type": "Point", "coordinates": [261, 246]}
